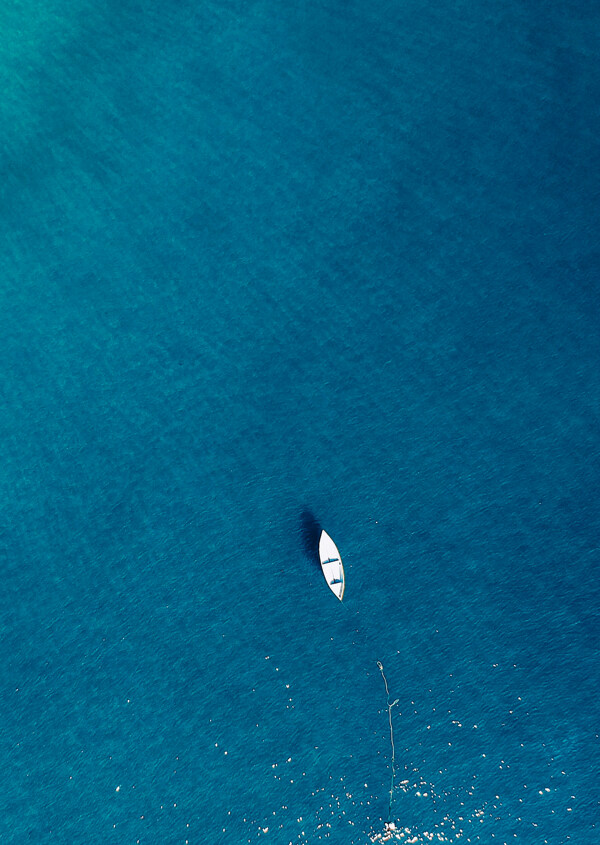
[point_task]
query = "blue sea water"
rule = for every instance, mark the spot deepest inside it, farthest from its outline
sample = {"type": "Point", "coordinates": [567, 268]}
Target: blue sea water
{"type": "Point", "coordinates": [267, 267]}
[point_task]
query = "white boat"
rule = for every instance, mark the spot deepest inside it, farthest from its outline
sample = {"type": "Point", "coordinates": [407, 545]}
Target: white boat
{"type": "Point", "coordinates": [331, 564]}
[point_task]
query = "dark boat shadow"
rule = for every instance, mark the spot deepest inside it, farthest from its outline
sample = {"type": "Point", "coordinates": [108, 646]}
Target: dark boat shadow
{"type": "Point", "coordinates": [310, 532]}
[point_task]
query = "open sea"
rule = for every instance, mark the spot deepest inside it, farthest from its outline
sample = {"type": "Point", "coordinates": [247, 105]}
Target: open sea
{"type": "Point", "coordinates": [269, 267]}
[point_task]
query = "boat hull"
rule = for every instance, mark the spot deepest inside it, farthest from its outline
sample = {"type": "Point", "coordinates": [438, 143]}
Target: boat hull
{"type": "Point", "coordinates": [331, 565]}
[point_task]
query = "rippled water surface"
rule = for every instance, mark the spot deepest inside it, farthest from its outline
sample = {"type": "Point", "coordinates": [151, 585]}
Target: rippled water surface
{"type": "Point", "coordinates": [267, 268]}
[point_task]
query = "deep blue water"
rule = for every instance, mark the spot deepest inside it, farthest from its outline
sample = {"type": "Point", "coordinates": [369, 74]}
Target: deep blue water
{"type": "Point", "coordinates": [266, 266]}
